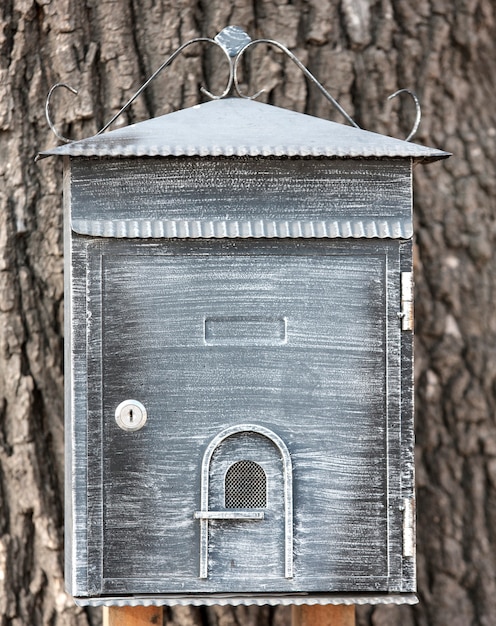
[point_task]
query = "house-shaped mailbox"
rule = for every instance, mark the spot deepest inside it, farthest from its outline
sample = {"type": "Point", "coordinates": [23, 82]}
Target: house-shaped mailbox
{"type": "Point", "coordinates": [239, 360]}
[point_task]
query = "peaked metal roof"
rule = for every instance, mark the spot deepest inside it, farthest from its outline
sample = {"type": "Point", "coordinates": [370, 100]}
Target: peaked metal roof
{"type": "Point", "coordinates": [240, 127]}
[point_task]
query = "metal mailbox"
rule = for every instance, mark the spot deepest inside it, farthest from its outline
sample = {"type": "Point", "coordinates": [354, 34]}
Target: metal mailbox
{"type": "Point", "coordinates": [239, 360]}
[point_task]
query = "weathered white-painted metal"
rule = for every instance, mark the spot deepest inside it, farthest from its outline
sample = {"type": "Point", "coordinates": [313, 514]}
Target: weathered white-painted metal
{"type": "Point", "coordinates": [241, 276]}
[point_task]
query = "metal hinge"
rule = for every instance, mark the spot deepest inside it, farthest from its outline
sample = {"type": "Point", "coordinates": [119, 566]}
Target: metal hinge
{"type": "Point", "coordinates": [406, 301]}
{"type": "Point", "coordinates": [409, 527]}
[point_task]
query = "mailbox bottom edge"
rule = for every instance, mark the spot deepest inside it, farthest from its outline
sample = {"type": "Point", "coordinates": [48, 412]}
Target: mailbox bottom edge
{"type": "Point", "coordinates": [249, 599]}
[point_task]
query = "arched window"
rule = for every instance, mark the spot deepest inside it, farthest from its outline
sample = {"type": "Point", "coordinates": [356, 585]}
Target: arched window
{"type": "Point", "coordinates": [245, 486]}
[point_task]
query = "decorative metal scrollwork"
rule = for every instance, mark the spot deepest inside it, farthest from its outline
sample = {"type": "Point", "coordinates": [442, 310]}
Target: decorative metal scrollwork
{"type": "Point", "coordinates": [297, 62]}
{"type": "Point", "coordinates": [234, 43]}
{"type": "Point", "coordinates": [418, 110]}
{"type": "Point", "coordinates": [164, 65]}
{"type": "Point", "coordinates": [47, 109]}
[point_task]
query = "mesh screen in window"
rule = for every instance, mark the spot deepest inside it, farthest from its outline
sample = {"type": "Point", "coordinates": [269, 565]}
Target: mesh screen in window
{"type": "Point", "coordinates": [245, 486]}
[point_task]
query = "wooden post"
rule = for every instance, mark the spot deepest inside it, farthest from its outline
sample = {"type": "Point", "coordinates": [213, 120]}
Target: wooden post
{"type": "Point", "coordinates": [328, 615]}
{"type": "Point", "coordinates": [315, 615]}
{"type": "Point", "coordinates": [133, 616]}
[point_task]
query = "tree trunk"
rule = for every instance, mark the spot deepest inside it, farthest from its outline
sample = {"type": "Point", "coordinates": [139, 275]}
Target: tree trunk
{"type": "Point", "coordinates": [362, 51]}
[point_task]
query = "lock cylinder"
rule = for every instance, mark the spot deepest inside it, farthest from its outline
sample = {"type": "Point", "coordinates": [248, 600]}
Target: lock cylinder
{"type": "Point", "coordinates": [130, 415]}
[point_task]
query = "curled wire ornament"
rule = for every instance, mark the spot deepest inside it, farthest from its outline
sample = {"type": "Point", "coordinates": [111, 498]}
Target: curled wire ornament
{"type": "Point", "coordinates": [299, 64]}
{"type": "Point", "coordinates": [164, 65]}
{"type": "Point", "coordinates": [47, 109]}
{"type": "Point", "coordinates": [418, 110]}
{"type": "Point", "coordinates": [234, 42]}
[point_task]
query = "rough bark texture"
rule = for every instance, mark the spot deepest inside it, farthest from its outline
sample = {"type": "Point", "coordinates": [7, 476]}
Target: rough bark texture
{"type": "Point", "coordinates": [362, 50]}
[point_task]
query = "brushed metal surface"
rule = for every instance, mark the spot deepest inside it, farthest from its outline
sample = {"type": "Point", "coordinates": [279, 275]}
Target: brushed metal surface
{"type": "Point", "coordinates": [330, 391]}
{"type": "Point", "coordinates": [240, 198]}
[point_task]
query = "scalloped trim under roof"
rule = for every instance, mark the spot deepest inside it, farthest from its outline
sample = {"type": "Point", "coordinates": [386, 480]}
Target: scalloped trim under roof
{"type": "Point", "coordinates": [239, 127]}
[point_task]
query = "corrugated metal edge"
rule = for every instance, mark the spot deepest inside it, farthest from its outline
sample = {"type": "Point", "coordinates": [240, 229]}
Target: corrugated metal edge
{"type": "Point", "coordinates": [129, 150]}
{"type": "Point", "coordinates": [207, 229]}
{"type": "Point", "coordinates": [236, 600]}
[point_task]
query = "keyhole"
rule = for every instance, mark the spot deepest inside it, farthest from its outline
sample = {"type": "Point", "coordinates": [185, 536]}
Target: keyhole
{"type": "Point", "coordinates": [130, 415]}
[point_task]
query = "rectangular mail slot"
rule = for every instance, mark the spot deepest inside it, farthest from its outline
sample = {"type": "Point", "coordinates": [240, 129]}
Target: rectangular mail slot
{"type": "Point", "coordinates": [245, 330]}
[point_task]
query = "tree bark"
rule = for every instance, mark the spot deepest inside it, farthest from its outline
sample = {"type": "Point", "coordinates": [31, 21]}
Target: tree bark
{"type": "Point", "coordinates": [362, 51]}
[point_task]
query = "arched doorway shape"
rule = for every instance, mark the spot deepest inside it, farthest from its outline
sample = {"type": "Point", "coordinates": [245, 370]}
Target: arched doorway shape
{"type": "Point", "coordinates": [205, 514]}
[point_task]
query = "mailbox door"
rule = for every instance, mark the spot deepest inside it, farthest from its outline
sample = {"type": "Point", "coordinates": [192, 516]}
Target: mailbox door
{"type": "Point", "coordinates": [301, 339]}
